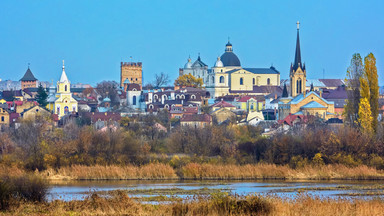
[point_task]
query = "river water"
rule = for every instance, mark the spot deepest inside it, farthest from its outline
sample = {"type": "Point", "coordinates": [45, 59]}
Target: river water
{"type": "Point", "coordinates": [77, 190]}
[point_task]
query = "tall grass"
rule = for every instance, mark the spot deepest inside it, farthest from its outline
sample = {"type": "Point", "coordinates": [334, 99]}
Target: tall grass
{"type": "Point", "coordinates": [155, 171]}
{"type": "Point", "coordinates": [272, 171]}
{"type": "Point", "coordinates": [98, 172]}
{"type": "Point", "coordinates": [216, 205]}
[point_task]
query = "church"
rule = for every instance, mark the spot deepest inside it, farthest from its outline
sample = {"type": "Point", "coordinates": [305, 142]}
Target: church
{"type": "Point", "coordinates": [228, 77]}
{"type": "Point", "coordinates": [60, 101]}
{"type": "Point", "coordinates": [300, 102]}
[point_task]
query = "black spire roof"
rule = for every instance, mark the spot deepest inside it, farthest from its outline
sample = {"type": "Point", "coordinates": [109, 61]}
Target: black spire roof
{"type": "Point", "coordinates": [297, 62]}
{"type": "Point", "coordinates": [28, 76]}
{"type": "Point", "coordinates": [229, 58]}
{"type": "Point", "coordinates": [285, 91]}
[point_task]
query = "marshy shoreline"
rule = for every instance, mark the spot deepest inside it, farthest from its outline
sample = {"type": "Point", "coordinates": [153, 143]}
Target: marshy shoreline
{"type": "Point", "coordinates": [195, 171]}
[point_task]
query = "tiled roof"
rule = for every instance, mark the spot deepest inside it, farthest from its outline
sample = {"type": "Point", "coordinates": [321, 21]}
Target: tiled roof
{"type": "Point", "coordinates": [196, 117]}
{"type": "Point", "coordinates": [222, 104]}
{"type": "Point", "coordinates": [270, 70]}
{"type": "Point", "coordinates": [332, 82]}
{"type": "Point", "coordinates": [28, 76]}
{"type": "Point", "coordinates": [313, 104]}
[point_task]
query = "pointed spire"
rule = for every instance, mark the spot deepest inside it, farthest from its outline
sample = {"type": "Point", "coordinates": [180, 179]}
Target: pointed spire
{"type": "Point", "coordinates": [297, 62]}
{"type": "Point", "coordinates": [312, 89]}
{"type": "Point", "coordinates": [63, 77]}
{"type": "Point", "coordinates": [285, 91]}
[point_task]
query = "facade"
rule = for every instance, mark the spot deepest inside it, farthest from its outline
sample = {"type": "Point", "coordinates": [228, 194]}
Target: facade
{"type": "Point", "coordinates": [196, 121]}
{"type": "Point", "coordinates": [33, 112]}
{"type": "Point", "coordinates": [132, 71]}
{"type": "Point", "coordinates": [227, 76]}
{"type": "Point", "coordinates": [61, 102]}
{"type": "Point", "coordinates": [133, 95]}
{"type": "Point", "coordinates": [28, 80]}
{"type": "Point", "coordinates": [4, 115]}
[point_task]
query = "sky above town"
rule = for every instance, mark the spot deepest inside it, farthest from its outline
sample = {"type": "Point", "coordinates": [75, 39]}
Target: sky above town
{"type": "Point", "coordinates": [93, 37]}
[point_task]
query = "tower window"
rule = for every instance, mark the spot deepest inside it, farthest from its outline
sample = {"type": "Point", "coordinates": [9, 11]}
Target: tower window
{"type": "Point", "coordinates": [222, 79]}
{"type": "Point", "coordinates": [241, 81]}
{"type": "Point", "coordinates": [268, 81]}
{"type": "Point", "coordinates": [253, 81]}
{"type": "Point", "coordinates": [65, 87]}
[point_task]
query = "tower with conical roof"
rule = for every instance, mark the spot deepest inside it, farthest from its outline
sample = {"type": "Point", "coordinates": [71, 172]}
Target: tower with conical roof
{"type": "Point", "coordinates": [28, 80]}
{"type": "Point", "coordinates": [298, 74]}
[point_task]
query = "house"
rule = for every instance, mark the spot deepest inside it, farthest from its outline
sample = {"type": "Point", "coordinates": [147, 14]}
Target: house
{"type": "Point", "coordinates": [4, 115]}
{"type": "Point", "coordinates": [197, 120]}
{"type": "Point", "coordinates": [34, 111]}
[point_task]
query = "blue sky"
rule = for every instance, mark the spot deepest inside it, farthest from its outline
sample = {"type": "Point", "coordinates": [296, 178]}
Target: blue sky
{"type": "Point", "coordinates": [95, 36]}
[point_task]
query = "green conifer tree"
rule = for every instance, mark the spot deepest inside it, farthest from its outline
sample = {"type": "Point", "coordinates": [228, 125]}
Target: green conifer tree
{"type": "Point", "coordinates": [41, 96]}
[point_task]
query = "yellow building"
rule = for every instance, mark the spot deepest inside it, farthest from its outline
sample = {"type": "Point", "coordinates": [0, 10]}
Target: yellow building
{"type": "Point", "coordinates": [35, 111]}
{"type": "Point", "coordinates": [62, 102]}
{"type": "Point", "coordinates": [4, 115]}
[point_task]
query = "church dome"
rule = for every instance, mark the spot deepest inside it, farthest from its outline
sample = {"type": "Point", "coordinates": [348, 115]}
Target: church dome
{"type": "Point", "coordinates": [229, 58]}
{"type": "Point", "coordinates": [188, 64]}
{"type": "Point", "coordinates": [219, 63]}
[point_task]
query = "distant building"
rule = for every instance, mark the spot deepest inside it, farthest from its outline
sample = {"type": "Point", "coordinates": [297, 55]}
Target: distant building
{"type": "Point", "coordinates": [227, 76]}
{"type": "Point", "coordinates": [28, 80]}
{"type": "Point", "coordinates": [196, 121]}
{"type": "Point", "coordinates": [62, 102]}
{"type": "Point", "coordinates": [132, 71]}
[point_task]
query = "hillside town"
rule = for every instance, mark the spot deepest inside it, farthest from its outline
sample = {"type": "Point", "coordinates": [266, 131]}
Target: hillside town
{"type": "Point", "coordinates": [225, 93]}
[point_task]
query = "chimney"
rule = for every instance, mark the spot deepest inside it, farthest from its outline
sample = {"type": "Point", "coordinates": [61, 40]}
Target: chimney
{"type": "Point", "coordinates": [275, 96]}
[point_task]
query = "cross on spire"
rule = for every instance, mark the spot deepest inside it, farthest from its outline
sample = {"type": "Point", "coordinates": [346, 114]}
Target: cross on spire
{"type": "Point", "coordinates": [298, 25]}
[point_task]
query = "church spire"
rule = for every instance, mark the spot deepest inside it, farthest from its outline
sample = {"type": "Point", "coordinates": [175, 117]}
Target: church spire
{"type": "Point", "coordinates": [63, 77]}
{"type": "Point", "coordinates": [297, 62]}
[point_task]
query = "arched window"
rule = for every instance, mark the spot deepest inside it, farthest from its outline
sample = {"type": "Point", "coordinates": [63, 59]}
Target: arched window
{"type": "Point", "coordinates": [193, 97]}
{"type": "Point", "coordinates": [258, 81]}
{"type": "Point", "coordinates": [166, 106]}
{"type": "Point", "coordinates": [252, 107]}
{"type": "Point", "coordinates": [150, 106]}
{"type": "Point", "coordinates": [66, 110]}
{"type": "Point", "coordinates": [241, 81]}
{"type": "Point", "coordinates": [134, 100]}
{"type": "Point", "coordinates": [253, 81]}
{"type": "Point", "coordinates": [268, 81]}
{"type": "Point", "coordinates": [2, 118]}
{"type": "Point", "coordinates": [65, 88]}
{"type": "Point", "coordinates": [213, 79]}
{"type": "Point", "coordinates": [222, 79]}
{"type": "Point", "coordinates": [298, 86]}
{"type": "Point", "coordinates": [58, 110]}
{"type": "Point", "coordinates": [182, 96]}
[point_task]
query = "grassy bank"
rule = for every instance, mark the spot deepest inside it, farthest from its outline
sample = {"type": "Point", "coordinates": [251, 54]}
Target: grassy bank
{"type": "Point", "coordinates": [155, 171]}
{"type": "Point", "coordinates": [217, 204]}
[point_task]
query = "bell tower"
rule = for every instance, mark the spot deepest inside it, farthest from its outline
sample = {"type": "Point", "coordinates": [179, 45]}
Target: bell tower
{"type": "Point", "coordinates": [298, 74]}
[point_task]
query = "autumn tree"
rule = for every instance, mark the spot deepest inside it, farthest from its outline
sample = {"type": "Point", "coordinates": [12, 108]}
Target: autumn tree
{"type": "Point", "coordinates": [372, 85]}
{"type": "Point", "coordinates": [352, 81]}
{"type": "Point", "coordinates": [365, 116]}
{"type": "Point", "coordinates": [188, 80]}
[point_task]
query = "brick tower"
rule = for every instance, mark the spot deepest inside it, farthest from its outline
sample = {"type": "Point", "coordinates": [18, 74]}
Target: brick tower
{"type": "Point", "coordinates": [132, 71]}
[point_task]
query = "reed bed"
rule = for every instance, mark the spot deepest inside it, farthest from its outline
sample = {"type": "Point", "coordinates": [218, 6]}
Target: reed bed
{"type": "Point", "coordinates": [154, 171]}
{"type": "Point", "coordinates": [272, 171]}
{"type": "Point", "coordinates": [223, 205]}
{"type": "Point", "coordinates": [98, 172]}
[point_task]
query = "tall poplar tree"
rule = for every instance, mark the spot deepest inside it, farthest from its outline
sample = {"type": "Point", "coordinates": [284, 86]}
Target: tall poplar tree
{"type": "Point", "coordinates": [352, 81]}
{"type": "Point", "coordinates": [370, 73]}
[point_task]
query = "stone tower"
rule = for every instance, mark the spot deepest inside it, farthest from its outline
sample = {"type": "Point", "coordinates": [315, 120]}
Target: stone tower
{"type": "Point", "coordinates": [298, 74]}
{"type": "Point", "coordinates": [132, 71]}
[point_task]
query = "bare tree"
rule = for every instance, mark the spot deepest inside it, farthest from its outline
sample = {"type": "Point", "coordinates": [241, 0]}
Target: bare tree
{"type": "Point", "coordinates": [161, 79]}
{"type": "Point", "coordinates": [108, 89]}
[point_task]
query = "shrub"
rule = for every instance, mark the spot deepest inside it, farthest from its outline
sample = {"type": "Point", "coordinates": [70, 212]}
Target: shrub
{"type": "Point", "coordinates": [27, 187]}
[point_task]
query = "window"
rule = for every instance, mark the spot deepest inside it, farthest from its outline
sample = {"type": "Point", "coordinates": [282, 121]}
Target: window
{"type": "Point", "coordinates": [222, 79]}
{"type": "Point", "coordinates": [253, 81]}
{"type": "Point", "coordinates": [58, 110]}
{"type": "Point", "coordinates": [241, 81]}
{"type": "Point", "coordinates": [268, 81]}
{"type": "Point", "coordinates": [2, 118]}
{"type": "Point", "coordinates": [252, 107]}
{"type": "Point", "coordinates": [66, 110]}
{"type": "Point", "coordinates": [65, 88]}
{"type": "Point", "coordinates": [134, 100]}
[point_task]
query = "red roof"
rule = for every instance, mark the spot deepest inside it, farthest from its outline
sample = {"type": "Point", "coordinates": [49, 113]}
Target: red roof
{"type": "Point", "coordinates": [222, 104]}
{"type": "Point", "coordinates": [197, 118]}
{"type": "Point", "coordinates": [291, 118]}
{"type": "Point", "coordinates": [244, 99]}
{"type": "Point", "coordinates": [191, 110]}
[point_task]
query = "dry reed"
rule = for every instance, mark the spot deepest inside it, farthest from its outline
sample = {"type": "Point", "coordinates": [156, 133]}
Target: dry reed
{"type": "Point", "coordinates": [98, 172]}
{"type": "Point", "coordinates": [272, 171]}
{"type": "Point", "coordinates": [121, 204]}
